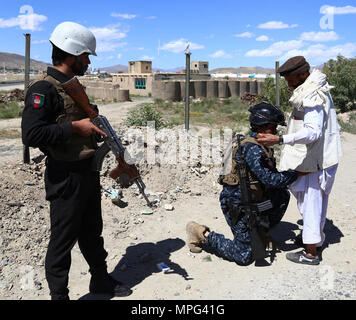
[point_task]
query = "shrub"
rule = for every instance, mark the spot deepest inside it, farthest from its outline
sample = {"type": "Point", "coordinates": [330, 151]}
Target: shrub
{"type": "Point", "coordinates": [145, 113]}
{"type": "Point", "coordinates": [10, 110]}
{"type": "Point", "coordinates": [269, 93]}
{"type": "Point", "coordinates": [341, 74]}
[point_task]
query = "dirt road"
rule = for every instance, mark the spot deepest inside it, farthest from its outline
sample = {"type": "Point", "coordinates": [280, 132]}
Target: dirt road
{"type": "Point", "coordinates": [137, 242]}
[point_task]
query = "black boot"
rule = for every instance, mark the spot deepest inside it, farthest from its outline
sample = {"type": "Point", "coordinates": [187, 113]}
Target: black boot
{"type": "Point", "coordinates": [103, 283]}
{"type": "Point", "coordinates": [63, 297]}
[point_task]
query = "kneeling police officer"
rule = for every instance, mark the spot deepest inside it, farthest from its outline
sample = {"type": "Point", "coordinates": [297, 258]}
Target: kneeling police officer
{"type": "Point", "coordinates": [267, 192]}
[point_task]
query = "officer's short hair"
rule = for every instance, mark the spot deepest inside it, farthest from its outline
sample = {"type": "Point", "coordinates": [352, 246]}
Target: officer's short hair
{"type": "Point", "coordinates": [58, 56]}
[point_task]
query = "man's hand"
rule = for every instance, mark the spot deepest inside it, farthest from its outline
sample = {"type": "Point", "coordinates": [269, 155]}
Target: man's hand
{"type": "Point", "coordinates": [267, 139]}
{"type": "Point", "coordinates": [86, 128]}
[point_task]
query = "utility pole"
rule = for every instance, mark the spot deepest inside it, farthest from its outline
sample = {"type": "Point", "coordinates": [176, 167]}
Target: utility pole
{"type": "Point", "coordinates": [26, 149]}
{"type": "Point", "coordinates": [278, 90]}
{"type": "Point", "coordinates": [187, 86]}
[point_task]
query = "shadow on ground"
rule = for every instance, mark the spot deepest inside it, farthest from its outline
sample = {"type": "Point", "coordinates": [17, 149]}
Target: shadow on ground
{"type": "Point", "coordinates": [284, 231]}
{"type": "Point", "coordinates": [140, 261]}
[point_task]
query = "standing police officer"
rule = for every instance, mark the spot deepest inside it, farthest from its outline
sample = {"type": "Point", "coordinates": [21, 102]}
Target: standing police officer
{"type": "Point", "coordinates": [62, 130]}
{"type": "Point", "coordinates": [272, 185]}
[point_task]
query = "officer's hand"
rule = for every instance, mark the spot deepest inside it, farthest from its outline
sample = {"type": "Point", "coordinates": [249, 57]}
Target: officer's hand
{"type": "Point", "coordinates": [86, 128]}
{"type": "Point", "coordinates": [267, 139]}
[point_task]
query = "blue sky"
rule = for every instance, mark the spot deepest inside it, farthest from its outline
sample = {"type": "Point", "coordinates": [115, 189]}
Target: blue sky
{"type": "Point", "coordinates": [227, 33]}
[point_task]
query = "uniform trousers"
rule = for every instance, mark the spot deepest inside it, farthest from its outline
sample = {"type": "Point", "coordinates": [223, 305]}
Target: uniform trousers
{"type": "Point", "coordinates": [75, 215]}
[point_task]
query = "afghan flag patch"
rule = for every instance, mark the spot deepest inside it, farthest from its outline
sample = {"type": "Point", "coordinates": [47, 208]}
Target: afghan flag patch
{"type": "Point", "coordinates": [38, 100]}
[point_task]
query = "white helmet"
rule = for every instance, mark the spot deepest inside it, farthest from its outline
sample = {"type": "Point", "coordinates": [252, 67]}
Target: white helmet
{"type": "Point", "coordinates": [73, 38]}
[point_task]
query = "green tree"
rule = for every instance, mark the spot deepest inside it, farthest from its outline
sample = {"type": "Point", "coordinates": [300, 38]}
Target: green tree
{"type": "Point", "coordinates": [341, 74]}
{"type": "Point", "coordinates": [269, 93]}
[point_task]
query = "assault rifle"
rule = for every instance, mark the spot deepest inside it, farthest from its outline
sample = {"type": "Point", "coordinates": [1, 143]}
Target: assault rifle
{"type": "Point", "coordinates": [111, 142]}
{"type": "Point", "coordinates": [249, 209]}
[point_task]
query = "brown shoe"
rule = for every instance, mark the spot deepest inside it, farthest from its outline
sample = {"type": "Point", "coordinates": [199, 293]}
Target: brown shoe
{"type": "Point", "coordinates": [195, 233]}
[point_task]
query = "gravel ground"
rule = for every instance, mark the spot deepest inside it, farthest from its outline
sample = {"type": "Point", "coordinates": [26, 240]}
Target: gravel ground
{"type": "Point", "coordinates": [136, 242]}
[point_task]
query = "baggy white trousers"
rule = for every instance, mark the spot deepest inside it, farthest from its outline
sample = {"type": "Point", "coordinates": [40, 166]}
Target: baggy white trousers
{"type": "Point", "coordinates": [312, 194]}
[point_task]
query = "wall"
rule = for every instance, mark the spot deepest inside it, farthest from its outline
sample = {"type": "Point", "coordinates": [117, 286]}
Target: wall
{"type": "Point", "coordinates": [105, 90]}
{"type": "Point", "coordinates": [175, 90]}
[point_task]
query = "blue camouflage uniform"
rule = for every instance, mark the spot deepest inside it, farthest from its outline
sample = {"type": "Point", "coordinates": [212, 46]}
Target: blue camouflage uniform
{"type": "Point", "coordinates": [239, 250]}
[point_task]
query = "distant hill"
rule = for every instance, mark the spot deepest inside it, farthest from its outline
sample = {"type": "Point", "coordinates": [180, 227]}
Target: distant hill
{"type": "Point", "coordinates": [249, 70]}
{"type": "Point", "coordinates": [121, 68]}
{"type": "Point", "coordinates": [174, 70]}
{"type": "Point", "coordinates": [16, 61]}
{"type": "Point", "coordinates": [115, 69]}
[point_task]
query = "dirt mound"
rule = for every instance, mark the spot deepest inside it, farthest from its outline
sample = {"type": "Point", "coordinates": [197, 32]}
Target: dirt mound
{"type": "Point", "coordinates": [13, 95]}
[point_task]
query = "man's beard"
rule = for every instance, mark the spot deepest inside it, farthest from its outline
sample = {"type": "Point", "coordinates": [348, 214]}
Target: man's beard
{"type": "Point", "coordinates": [301, 81]}
{"type": "Point", "coordinates": [78, 67]}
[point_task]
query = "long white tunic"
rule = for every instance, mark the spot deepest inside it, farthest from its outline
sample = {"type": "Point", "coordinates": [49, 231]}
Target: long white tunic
{"type": "Point", "coordinates": [312, 190]}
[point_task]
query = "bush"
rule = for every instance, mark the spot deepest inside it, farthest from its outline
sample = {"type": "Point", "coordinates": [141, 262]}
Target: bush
{"type": "Point", "coordinates": [341, 74]}
{"type": "Point", "coordinates": [145, 113]}
{"type": "Point", "coordinates": [269, 93]}
{"type": "Point", "coordinates": [10, 110]}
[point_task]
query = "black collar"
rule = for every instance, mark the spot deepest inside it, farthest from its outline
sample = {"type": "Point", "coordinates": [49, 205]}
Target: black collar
{"type": "Point", "coordinates": [61, 77]}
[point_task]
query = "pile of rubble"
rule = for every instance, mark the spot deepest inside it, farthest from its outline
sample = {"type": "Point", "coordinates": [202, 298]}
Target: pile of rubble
{"type": "Point", "coordinates": [250, 98]}
{"type": "Point", "coordinates": [15, 95]}
{"type": "Point", "coordinates": [24, 212]}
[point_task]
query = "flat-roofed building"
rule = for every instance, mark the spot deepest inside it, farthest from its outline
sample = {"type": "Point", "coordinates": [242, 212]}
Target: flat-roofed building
{"type": "Point", "coordinates": [140, 67]}
{"type": "Point", "coordinates": [199, 67]}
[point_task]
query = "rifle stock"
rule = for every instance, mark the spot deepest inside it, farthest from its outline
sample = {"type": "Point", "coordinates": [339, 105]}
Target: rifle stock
{"type": "Point", "coordinates": [76, 91]}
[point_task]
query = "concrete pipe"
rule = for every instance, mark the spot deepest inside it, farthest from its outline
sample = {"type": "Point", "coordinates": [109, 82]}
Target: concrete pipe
{"type": "Point", "coordinates": [212, 90]}
{"type": "Point", "coordinates": [166, 90]}
{"type": "Point", "coordinates": [223, 89]}
{"type": "Point", "coordinates": [259, 87]}
{"type": "Point", "coordinates": [200, 89]}
{"type": "Point", "coordinates": [234, 88]}
{"type": "Point", "coordinates": [121, 95]}
{"type": "Point", "coordinates": [253, 88]}
{"type": "Point", "coordinates": [182, 89]}
{"type": "Point", "coordinates": [243, 88]}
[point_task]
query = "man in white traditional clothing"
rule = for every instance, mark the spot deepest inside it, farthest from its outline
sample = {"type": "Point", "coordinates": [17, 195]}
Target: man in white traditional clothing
{"type": "Point", "coordinates": [313, 146]}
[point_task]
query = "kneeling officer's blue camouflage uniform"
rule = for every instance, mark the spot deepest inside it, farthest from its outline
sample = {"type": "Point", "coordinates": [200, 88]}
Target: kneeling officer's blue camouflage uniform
{"type": "Point", "coordinates": [264, 169]}
{"type": "Point", "coordinates": [270, 185]}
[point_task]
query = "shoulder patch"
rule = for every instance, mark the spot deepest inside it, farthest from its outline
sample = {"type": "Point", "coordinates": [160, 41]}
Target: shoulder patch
{"type": "Point", "coordinates": [38, 100]}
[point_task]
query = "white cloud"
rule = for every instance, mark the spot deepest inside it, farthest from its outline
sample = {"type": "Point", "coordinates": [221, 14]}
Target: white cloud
{"type": "Point", "coordinates": [106, 46]}
{"type": "Point", "coordinates": [276, 25]}
{"type": "Point", "coordinates": [124, 15]}
{"type": "Point", "coordinates": [337, 10]}
{"type": "Point", "coordinates": [119, 56]}
{"type": "Point", "coordinates": [276, 49]}
{"type": "Point", "coordinates": [220, 54]}
{"type": "Point", "coordinates": [108, 33]}
{"type": "Point", "coordinates": [178, 46]}
{"type": "Point", "coordinates": [28, 21]}
{"type": "Point", "coordinates": [263, 38]}
{"type": "Point", "coordinates": [320, 53]}
{"type": "Point", "coordinates": [210, 36]}
{"type": "Point", "coordinates": [39, 41]}
{"type": "Point", "coordinates": [147, 58]}
{"type": "Point", "coordinates": [108, 37]}
{"type": "Point", "coordinates": [151, 18]}
{"type": "Point", "coordinates": [319, 36]}
{"type": "Point", "coordinates": [244, 35]}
